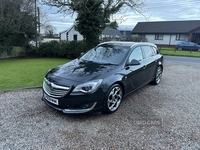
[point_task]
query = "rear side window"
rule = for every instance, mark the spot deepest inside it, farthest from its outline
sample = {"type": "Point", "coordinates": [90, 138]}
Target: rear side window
{"type": "Point", "coordinates": [155, 50]}
{"type": "Point", "coordinates": [148, 52]}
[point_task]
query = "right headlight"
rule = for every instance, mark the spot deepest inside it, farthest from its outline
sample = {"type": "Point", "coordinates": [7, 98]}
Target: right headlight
{"type": "Point", "coordinates": [88, 87]}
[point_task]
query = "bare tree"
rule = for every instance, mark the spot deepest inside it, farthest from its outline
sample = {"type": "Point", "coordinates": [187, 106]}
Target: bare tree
{"type": "Point", "coordinates": [110, 6]}
{"type": "Point", "coordinates": [93, 15]}
{"type": "Point", "coordinates": [49, 30]}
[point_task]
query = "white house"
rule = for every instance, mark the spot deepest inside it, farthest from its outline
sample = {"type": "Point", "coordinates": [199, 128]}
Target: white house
{"type": "Point", "coordinates": [70, 35]}
{"type": "Point", "coordinates": [169, 33]}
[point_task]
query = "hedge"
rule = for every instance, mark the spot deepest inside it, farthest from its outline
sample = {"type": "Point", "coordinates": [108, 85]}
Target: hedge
{"type": "Point", "coordinates": [69, 50]}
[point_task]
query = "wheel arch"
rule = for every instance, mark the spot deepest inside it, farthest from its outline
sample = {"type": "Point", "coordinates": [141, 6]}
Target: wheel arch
{"type": "Point", "coordinates": [121, 84]}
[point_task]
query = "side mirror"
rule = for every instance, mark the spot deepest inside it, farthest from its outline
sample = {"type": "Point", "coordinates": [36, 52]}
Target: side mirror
{"type": "Point", "coordinates": [134, 62]}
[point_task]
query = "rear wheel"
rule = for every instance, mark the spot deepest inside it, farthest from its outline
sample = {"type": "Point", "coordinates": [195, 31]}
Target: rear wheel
{"type": "Point", "coordinates": [158, 76]}
{"type": "Point", "coordinates": [113, 99]}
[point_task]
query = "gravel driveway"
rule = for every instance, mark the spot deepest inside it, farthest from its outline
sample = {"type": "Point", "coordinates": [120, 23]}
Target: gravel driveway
{"type": "Point", "coordinates": [166, 116]}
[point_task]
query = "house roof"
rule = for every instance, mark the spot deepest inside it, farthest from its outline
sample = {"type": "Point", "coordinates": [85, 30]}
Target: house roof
{"type": "Point", "coordinates": [65, 31]}
{"type": "Point", "coordinates": [111, 32]}
{"type": "Point", "coordinates": [166, 27]}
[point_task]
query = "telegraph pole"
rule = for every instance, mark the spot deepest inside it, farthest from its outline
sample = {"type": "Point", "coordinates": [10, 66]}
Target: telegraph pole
{"type": "Point", "coordinates": [36, 37]}
{"type": "Point", "coordinates": [38, 11]}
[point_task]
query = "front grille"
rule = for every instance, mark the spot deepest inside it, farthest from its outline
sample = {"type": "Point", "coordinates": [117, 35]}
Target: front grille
{"type": "Point", "coordinates": [54, 90]}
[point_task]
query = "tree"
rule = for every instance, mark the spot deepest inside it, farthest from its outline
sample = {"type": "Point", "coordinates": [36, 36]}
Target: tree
{"type": "Point", "coordinates": [90, 21]}
{"type": "Point", "coordinates": [17, 26]}
{"type": "Point", "coordinates": [93, 15]}
{"type": "Point", "coordinates": [49, 30]}
{"type": "Point", "coordinates": [113, 25]}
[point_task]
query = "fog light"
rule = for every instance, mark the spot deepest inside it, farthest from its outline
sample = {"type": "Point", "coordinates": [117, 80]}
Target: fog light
{"type": "Point", "coordinates": [85, 106]}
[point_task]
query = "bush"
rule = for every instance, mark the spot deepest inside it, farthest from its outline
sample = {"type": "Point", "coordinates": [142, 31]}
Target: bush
{"type": "Point", "coordinates": [31, 51]}
{"type": "Point", "coordinates": [68, 49]}
{"type": "Point", "coordinates": [49, 49]}
{"type": "Point", "coordinates": [136, 39]}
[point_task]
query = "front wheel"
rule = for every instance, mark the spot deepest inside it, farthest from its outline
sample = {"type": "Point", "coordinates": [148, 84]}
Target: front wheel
{"type": "Point", "coordinates": [158, 76]}
{"type": "Point", "coordinates": [113, 99]}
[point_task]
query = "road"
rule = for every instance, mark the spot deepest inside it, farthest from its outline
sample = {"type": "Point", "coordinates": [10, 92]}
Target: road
{"type": "Point", "coordinates": [183, 60]}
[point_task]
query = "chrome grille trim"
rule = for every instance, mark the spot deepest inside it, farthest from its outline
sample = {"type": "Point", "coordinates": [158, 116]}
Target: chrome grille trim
{"type": "Point", "coordinates": [54, 90]}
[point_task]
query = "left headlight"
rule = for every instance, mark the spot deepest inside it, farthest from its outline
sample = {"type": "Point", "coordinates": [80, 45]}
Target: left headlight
{"type": "Point", "coordinates": [88, 87]}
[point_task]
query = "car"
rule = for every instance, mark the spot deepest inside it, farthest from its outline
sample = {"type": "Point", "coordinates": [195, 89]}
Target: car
{"type": "Point", "coordinates": [98, 80]}
{"type": "Point", "coordinates": [188, 46]}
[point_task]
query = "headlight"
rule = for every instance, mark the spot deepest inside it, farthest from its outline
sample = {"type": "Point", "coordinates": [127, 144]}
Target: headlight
{"type": "Point", "coordinates": [88, 87]}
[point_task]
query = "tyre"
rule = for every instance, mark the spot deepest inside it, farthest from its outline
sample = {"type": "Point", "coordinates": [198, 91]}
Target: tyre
{"type": "Point", "coordinates": [158, 76]}
{"type": "Point", "coordinates": [113, 99]}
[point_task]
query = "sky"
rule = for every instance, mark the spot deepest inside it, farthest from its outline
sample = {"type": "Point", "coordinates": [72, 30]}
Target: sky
{"type": "Point", "coordinates": [155, 10]}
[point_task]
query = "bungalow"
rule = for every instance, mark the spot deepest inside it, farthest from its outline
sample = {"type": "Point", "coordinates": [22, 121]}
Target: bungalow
{"type": "Point", "coordinates": [169, 33]}
{"type": "Point", "coordinates": [72, 34]}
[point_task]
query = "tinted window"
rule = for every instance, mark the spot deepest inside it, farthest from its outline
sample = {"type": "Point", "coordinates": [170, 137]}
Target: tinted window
{"type": "Point", "coordinates": [113, 54]}
{"type": "Point", "coordinates": [147, 51]}
{"type": "Point", "coordinates": [136, 54]}
{"type": "Point", "coordinates": [155, 50]}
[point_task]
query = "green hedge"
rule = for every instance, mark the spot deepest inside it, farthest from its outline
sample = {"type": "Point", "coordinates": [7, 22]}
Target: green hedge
{"type": "Point", "coordinates": [69, 50]}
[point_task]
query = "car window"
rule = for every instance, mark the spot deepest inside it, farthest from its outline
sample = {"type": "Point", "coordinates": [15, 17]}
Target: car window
{"type": "Point", "coordinates": [136, 54]}
{"type": "Point", "coordinates": [147, 51]}
{"type": "Point", "coordinates": [155, 50]}
{"type": "Point", "coordinates": [113, 54]}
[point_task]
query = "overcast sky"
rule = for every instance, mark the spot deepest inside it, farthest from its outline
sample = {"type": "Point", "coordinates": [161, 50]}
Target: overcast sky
{"type": "Point", "coordinates": [155, 10]}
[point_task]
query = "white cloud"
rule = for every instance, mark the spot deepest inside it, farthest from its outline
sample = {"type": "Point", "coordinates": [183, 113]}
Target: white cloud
{"type": "Point", "coordinates": [154, 11]}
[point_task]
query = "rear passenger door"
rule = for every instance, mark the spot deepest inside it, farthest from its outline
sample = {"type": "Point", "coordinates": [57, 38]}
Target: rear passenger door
{"type": "Point", "coordinates": [134, 73]}
{"type": "Point", "coordinates": [149, 62]}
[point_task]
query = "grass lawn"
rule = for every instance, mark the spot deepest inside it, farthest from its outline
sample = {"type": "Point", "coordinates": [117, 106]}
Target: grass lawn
{"type": "Point", "coordinates": [25, 73]}
{"type": "Point", "coordinates": [170, 51]}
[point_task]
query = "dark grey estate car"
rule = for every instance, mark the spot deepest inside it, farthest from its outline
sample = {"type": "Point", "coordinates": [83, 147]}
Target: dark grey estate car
{"type": "Point", "coordinates": [98, 80]}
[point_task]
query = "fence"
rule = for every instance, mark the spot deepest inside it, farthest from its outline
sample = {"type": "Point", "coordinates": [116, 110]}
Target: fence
{"type": "Point", "coordinates": [11, 52]}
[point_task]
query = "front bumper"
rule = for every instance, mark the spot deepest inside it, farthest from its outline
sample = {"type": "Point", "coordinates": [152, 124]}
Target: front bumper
{"type": "Point", "coordinates": [72, 111]}
{"type": "Point", "coordinates": [78, 104]}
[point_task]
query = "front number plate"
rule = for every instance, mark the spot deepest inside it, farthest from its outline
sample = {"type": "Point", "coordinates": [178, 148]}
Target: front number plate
{"type": "Point", "coordinates": [51, 100]}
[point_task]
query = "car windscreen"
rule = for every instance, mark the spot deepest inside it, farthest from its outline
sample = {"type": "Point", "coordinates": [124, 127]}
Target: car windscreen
{"type": "Point", "coordinates": [106, 54]}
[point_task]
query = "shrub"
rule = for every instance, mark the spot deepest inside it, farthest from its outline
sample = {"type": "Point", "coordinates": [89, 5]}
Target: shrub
{"type": "Point", "coordinates": [49, 49]}
{"type": "Point", "coordinates": [136, 39]}
{"type": "Point", "coordinates": [68, 49]}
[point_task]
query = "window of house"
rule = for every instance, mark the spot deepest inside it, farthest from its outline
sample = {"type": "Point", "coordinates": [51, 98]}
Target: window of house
{"type": "Point", "coordinates": [75, 37]}
{"type": "Point", "coordinates": [67, 36]}
{"type": "Point", "coordinates": [180, 37]}
{"type": "Point", "coordinates": [159, 37]}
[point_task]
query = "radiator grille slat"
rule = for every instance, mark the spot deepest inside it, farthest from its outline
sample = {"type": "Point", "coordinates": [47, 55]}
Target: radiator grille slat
{"type": "Point", "coordinates": [54, 90]}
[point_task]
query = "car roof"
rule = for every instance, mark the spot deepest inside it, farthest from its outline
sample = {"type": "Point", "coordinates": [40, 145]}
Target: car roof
{"type": "Point", "coordinates": [127, 44]}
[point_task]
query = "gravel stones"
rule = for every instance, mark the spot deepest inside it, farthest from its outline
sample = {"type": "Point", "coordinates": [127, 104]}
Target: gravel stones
{"type": "Point", "coordinates": [165, 116]}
